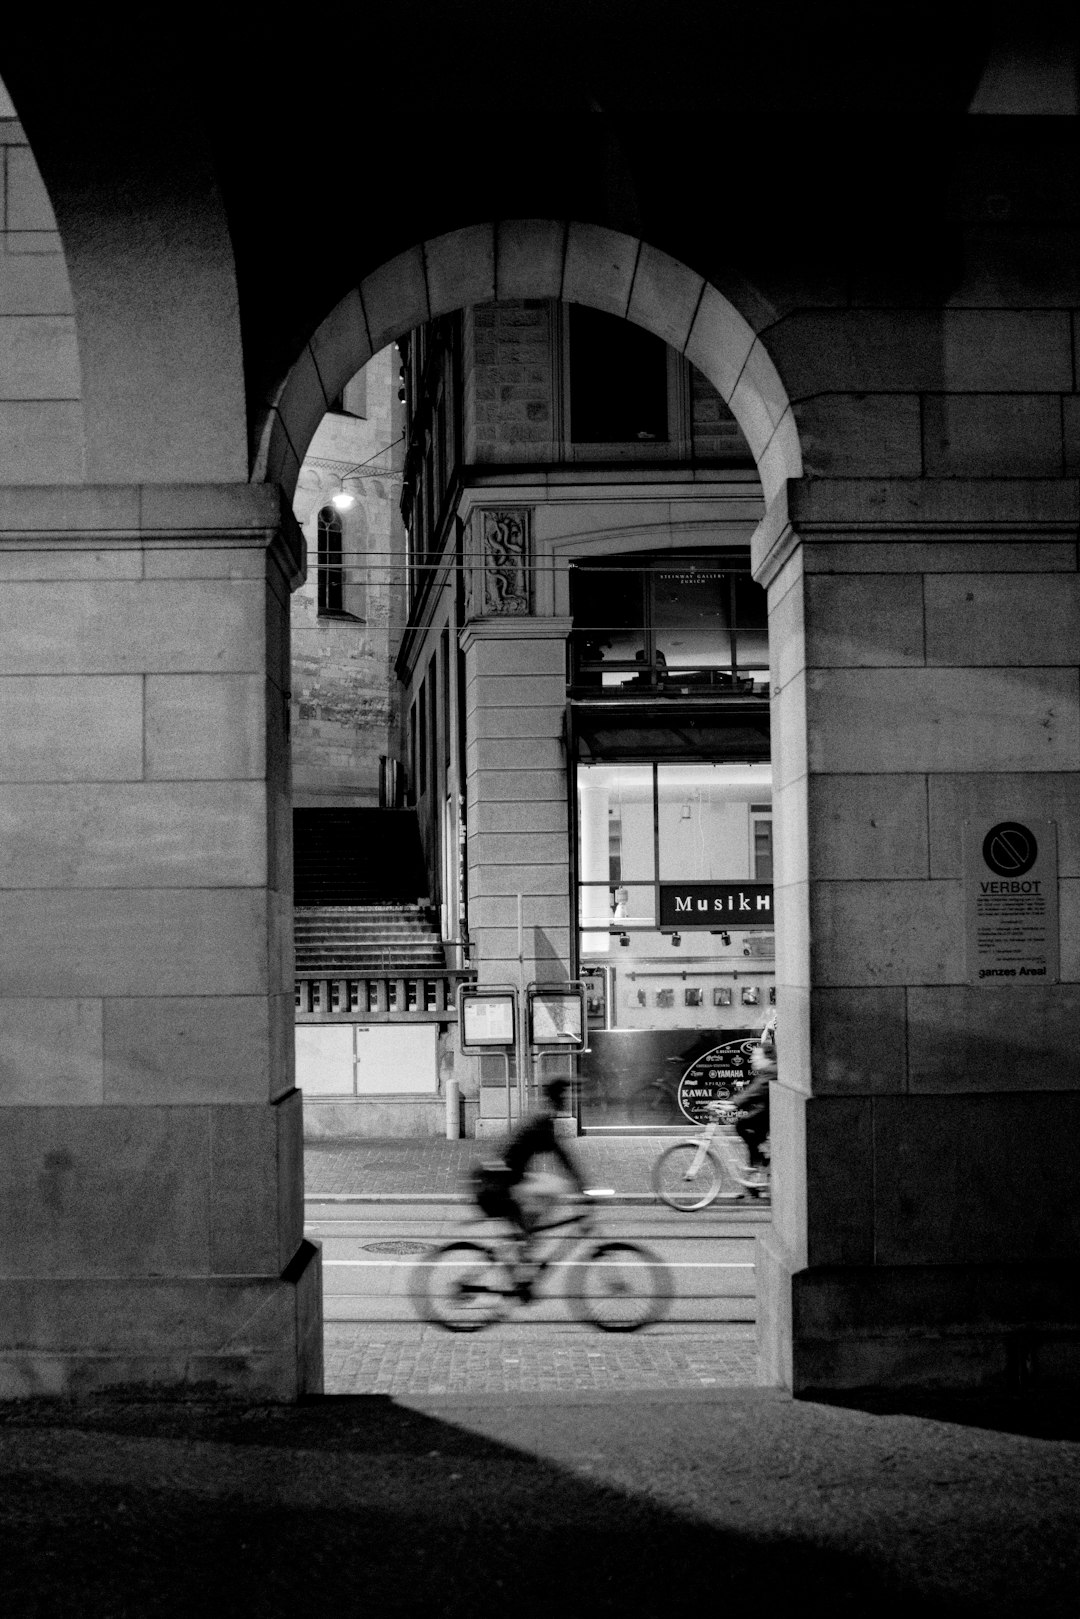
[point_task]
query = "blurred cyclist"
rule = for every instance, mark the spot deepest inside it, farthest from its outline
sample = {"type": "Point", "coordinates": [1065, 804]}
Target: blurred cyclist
{"type": "Point", "coordinates": [752, 1117]}
{"type": "Point", "coordinates": [512, 1190]}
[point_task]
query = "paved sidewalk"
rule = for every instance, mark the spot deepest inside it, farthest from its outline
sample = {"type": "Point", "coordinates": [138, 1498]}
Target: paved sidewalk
{"type": "Point", "coordinates": [413, 1360]}
{"type": "Point", "coordinates": [430, 1166]}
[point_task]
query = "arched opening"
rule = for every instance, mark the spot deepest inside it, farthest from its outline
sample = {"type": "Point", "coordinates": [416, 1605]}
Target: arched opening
{"type": "Point", "coordinates": [447, 651]}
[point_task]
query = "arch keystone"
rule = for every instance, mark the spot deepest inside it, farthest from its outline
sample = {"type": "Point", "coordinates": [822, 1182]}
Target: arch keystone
{"type": "Point", "coordinates": [599, 268]}
{"type": "Point", "coordinates": [460, 268]}
{"type": "Point", "coordinates": [529, 258]}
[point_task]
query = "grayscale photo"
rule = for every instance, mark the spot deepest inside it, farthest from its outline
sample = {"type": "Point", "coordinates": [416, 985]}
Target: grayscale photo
{"type": "Point", "coordinates": [540, 809]}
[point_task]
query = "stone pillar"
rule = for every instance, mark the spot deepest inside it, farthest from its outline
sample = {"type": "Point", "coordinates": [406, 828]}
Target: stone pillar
{"type": "Point", "coordinates": [925, 642]}
{"type": "Point", "coordinates": [515, 769]}
{"type": "Point", "coordinates": [150, 1142]}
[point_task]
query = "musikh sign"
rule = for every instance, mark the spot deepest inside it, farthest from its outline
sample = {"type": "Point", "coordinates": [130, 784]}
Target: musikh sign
{"type": "Point", "coordinates": [1011, 902]}
{"type": "Point", "coordinates": [716, 905]}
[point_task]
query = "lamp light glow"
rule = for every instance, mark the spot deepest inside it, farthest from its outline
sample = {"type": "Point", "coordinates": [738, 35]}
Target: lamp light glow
{"type": "Point", "coordinates": [342, 501]}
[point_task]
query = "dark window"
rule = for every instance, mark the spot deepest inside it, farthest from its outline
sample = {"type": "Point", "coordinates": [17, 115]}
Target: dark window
{"type": "Point", "coordinates": [618, 381]}
{"type": "Point", "coordinates": [331, 571]}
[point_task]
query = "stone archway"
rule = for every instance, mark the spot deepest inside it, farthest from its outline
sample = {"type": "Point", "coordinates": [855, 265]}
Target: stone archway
{"type": "Point", "coordinates": [627, 277]}
{"type": "Point", "coordinates": [574, 262]}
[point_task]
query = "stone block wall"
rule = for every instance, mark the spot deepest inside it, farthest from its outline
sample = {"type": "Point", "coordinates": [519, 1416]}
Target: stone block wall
{"type": "Point", "coordinates": [515, 769]}
{"type": "Point", "coordinates": [925, 649]}
{"type": "Point", "coordinates": [516, 797]}
{"type": "Point", "coordinates": [41, 413]}
{"type": "Point", "coordinates": [345, 699]}
{"type": "Point", "coordinates": [510, 408]}
{"type": "Point", "coordinates": [149, 1126]}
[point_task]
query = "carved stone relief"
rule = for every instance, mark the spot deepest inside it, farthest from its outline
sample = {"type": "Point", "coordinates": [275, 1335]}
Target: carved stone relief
{"type": "Point", "coordinates": [501, 582]}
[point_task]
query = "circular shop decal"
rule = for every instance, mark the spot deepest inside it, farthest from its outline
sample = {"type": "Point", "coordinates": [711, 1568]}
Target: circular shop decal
{"type": "Point", "coordinates": [715, 1076]}
{"type": "Point", "coordinates": [1010, 849]}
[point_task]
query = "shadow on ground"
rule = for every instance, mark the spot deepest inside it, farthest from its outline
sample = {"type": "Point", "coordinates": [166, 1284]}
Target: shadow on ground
{"type": "Point", "coordinates": [363, 1505]}
{"type": "Point", "coordinates": [1038, 1416]}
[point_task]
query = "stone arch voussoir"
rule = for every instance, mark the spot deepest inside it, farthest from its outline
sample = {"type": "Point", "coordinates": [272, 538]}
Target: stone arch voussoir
{"type": "Point", "coordinates": [535, 258]}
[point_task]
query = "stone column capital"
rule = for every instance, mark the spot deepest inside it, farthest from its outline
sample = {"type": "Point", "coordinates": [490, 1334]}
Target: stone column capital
{"type": "Point", "coordinates": [808, 509]}
{"type": "Point", "coordinates": [89, 516]}
{"type": "Point", "coordinates": [513, 629]}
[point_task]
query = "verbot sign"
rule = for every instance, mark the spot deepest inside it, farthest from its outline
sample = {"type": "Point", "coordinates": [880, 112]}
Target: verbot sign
{"type": "Point", "coordinates": [1010, 899]}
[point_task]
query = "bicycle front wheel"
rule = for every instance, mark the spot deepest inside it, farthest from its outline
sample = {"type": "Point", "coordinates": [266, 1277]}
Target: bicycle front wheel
{"type": "Point", "coordinates": [620, 1287]}
{"type": "Point", "coordinates": [461, 1286]}
{"type": "Point", "coordinates": [676, 1181]}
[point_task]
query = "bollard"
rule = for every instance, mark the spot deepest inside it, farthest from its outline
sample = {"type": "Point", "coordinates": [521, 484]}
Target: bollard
{"type": "Point", "coordinates": [453, 1110]}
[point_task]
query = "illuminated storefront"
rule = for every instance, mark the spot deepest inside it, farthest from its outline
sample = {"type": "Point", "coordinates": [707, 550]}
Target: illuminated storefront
{"type": "Point", "coordinates": [674, 852]}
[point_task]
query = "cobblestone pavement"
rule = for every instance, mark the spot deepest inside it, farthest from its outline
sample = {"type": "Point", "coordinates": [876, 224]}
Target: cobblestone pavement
{"type": "Point", "coordinates": [423, 1360]}
{"type": "Point", "coordinates": [431, 1166]}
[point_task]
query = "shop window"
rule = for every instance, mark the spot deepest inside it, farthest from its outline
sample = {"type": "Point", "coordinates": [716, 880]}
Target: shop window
{"type": "Point", "coordinates": [676, 940]}
{"type": "Point", "coordinates": [668, 624]}
{"type": "Point", "coordinates": [331, 581]}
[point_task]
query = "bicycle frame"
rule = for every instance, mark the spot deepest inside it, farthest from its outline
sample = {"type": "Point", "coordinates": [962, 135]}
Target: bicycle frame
{"type": "Point", "coordinates": [557, 1254]}
{"type": "Point", "coordinates": [722, 1131]}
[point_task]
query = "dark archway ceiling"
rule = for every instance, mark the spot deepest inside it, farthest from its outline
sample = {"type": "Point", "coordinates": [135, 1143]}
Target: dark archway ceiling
{"type": "Point", "coordinates": [344, 134]}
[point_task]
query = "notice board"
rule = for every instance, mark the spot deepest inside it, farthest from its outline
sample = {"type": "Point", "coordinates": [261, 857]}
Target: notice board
{"type": "Point", "coordinates": [1010, 902]}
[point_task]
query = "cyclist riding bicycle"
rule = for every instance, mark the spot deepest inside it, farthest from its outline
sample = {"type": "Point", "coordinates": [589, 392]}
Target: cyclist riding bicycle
{"type": "Point", "coordinates": [752, 1116]}
{"type": "Point", "coordinates": [513, 1191]}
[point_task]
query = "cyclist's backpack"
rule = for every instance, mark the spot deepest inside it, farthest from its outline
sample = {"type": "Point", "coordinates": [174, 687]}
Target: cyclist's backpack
{"type": "Point", "coordinates": [490, 1184]}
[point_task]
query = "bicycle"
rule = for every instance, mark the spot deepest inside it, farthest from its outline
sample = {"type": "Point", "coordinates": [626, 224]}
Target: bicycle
{"type": "Point", "coordinates": [689, 1175]}
{"type": "Point", "coordinates": [464, 1286]}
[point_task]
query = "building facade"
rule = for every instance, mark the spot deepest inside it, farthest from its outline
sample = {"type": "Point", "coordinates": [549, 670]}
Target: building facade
{"type": "Point", "coordinates": [346, 617]}
{"type": "Point", "coordinates": [586, 688]}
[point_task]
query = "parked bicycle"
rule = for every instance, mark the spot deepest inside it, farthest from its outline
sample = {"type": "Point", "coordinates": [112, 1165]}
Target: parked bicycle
{"type": "Point", "coordinates": [689, 1175]}
{"type": "Point", "coordinates": [465, 1286]}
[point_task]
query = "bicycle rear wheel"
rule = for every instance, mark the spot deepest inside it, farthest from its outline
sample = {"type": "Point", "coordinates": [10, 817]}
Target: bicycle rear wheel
{"type": "Point", "coordinates": [679, 1185]}
{"type": "Point", "coordinates": [461, 1286]}
{"type": "Point", "coordinates": [619, 1287]}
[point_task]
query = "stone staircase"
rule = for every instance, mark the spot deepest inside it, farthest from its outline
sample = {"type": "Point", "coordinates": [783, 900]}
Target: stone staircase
{"type": "Point", "coordinates": [355, 941]}
{"type": "Point", "coordinates": [357, 857]}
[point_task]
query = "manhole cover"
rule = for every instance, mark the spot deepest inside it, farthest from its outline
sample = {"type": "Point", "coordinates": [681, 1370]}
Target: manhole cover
{"type": "Point", "coordinates": [395, 1247]}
